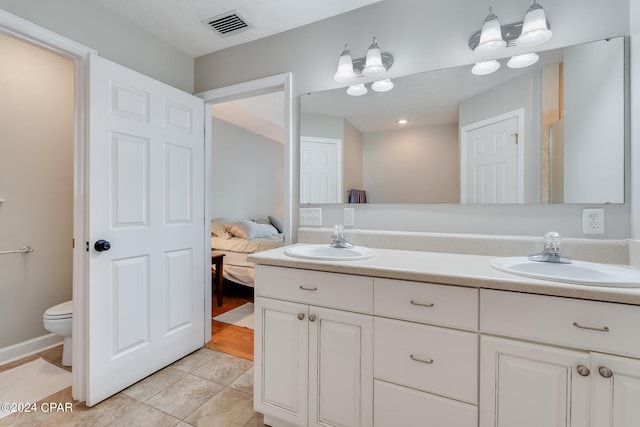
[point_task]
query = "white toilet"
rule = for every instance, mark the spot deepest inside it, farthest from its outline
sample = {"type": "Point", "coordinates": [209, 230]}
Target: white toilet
{"type": "Point", "coordinates": [58, 320]}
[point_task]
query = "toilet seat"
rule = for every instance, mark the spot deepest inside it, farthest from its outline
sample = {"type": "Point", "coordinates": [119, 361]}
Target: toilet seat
{"type": "Point", "coordinates": [60, 311]}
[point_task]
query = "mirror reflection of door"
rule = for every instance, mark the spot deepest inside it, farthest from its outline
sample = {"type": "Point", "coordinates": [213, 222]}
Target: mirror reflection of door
{"type": "Point", "coordinates": [490, 162]}
{"type": "Point", "coordinates": [320, 170]}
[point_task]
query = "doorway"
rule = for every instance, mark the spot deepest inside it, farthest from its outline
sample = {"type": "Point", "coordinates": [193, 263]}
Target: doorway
{"type": "Point", "coordinates": [234, 339]}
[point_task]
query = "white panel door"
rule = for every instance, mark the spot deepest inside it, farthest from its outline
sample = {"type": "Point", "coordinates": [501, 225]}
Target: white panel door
{"type": "Point", "coordinates": [320, 172]}
{"type": "Point", "coordinates": [281, 360]}
{"type": "Point", "coordinates": [340, 368]}
{"type": "Point", "coordinates": [492, 163]}
{"type": "Point", "coordinates": [146, 197]}
{"type": "Point", "coordinates": [616, 393]}
{"type": "Point", "coordinates": [530, 385]}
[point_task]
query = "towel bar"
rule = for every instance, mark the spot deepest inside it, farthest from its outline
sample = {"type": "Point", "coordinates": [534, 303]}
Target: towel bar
{"type": "Point", "coordinates": [23, 250]}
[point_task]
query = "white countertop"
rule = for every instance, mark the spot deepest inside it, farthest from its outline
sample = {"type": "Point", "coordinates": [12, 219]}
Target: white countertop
{"type": "Point", "coordinates": [450, 269]}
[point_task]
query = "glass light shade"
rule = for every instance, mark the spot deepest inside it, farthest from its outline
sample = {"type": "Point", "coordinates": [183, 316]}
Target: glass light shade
{"type": "Point", "coordinates": [490, 36]}
{"type": "Point", "coordinates": [534, 28]}
{"type": "Point", "coordinates": [373, 65]}
{"type": "Point", "coordinates": [382, 85]}
{"type": "Point", "coordinates": [521, 61]}
{"type": "Point", "coordinates": [357, 90]}
{"type": "Point", "coordinates": [485, 67]}
{"type": "Point", "coordinates": [345, 72]}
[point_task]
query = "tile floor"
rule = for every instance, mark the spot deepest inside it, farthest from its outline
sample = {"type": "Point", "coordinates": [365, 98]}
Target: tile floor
{"type": "Point", "coordinates": [205, 388]}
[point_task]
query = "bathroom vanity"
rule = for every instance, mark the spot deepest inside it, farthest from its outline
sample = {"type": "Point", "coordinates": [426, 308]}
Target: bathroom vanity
{"type": "Point", "coordinates": [432, 339]}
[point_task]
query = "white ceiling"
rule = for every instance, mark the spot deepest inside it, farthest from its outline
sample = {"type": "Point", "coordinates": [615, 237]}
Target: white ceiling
{"type": "Point", "coordinates": [179, 22]}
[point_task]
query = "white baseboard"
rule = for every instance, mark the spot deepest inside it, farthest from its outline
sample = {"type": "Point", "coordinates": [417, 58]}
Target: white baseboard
{"type": "Point", "coordinates": [27, 348]}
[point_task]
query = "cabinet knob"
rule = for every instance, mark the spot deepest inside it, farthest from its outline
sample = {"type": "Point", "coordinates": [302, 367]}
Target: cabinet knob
{"type": "Point", "coordinates": [583, 370]}
{"type": "Point", "coordinates": [312, 317]}
{"type": "Point", "coordinates": [605, 372]}
{"type": "Point", "coordinates": [301, 316]}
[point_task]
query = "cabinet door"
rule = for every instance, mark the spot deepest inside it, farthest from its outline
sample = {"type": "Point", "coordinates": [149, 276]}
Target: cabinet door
{"type": "Point", "coordinates": [340, 368]}
{"type": "Point", "coordinates": [281, 360]}
{"type": "Point", "coordinates": [530, 385]}
{"type": "Point", "coordinates": [616, 391]}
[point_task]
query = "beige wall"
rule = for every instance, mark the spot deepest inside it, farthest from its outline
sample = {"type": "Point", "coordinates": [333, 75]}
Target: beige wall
{"type": "Point", "coordinates": [352, 160]}
{"type": "Point", "coordinates": [417, 165]}
{"type": "Point", "coordinates": [36, 181]}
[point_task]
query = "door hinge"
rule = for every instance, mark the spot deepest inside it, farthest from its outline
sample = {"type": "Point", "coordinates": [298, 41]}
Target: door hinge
{"type": "Point", "coordinates": [87, 245]}
{"type": "Point", "coordinates": [516, 137]}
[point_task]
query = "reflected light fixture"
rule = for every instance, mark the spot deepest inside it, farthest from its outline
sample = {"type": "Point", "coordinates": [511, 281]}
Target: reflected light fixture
{"type": "Point", "coordinates": [522, 61]}
{"type": "Point", "coordinates": [382, 85]}
{"type": "Point", "coordinates": [357, 90]}
{"type": "Point", "coordinates": [534, 27]}
{"type": "Point", "coordinates": [345, 72]}
{"type": "Point", "coordinates": [485, 67]}
{"type": "Point", "coordinates": [490, 36]}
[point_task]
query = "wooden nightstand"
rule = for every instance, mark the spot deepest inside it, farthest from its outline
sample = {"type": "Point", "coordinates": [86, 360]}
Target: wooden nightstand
{"type": "Point", "coordinates": [216, 276]}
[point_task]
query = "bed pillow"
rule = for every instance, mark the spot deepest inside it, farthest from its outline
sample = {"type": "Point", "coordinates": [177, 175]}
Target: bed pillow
{"type": "Point", "coordinates": [218, 229]}
{"type": "Point", "coordinates": [278, 223]}
{"type": "Point", "coordinates": [250, 230]}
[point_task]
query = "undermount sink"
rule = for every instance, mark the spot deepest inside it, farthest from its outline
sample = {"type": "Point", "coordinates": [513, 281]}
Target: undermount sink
{"type": "Point", "coordinates": [577, 272]}
{"type": "Point", "coordinates": [329, 253]}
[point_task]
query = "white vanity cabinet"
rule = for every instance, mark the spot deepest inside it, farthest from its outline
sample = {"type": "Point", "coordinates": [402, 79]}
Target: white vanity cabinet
{"type": "Point", "coordinates": [543, 362]}
{"type": "Point", "coordinates": [313, 363]}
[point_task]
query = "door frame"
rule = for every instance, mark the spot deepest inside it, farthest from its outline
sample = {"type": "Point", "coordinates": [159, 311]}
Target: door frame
{"type": "Point", "coordinates": [26, 31]}
{"type": "Point", "coordinates": [464, 131]}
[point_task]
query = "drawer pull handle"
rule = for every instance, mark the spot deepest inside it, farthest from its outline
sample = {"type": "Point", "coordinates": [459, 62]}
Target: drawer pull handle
{"type": "Point", "coordinates": [421, 304]}
{"type": "Point", "coordinates": [583, 370]}
{"type": "Point", "coordinates": [605, 372]}
{"type": "Point", "coordinates": [603, 329]}
{"type": "Point", "coordinates": [416, 359]}
{"type": "Point", "coordinates": [308, 289]}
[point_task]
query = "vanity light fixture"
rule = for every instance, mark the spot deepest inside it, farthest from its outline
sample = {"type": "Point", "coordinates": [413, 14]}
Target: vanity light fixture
{"type": "Point", "coordinates": [345, 72]}
{"type": "Point", "coordinates": [490, 36]}
{"type": "Point", "coordinates": [534, 28]}
{"type": "Point", "coordinates": [375, 64]}
{"type": "Point", "coordinates": [522, 61]}
{"type": "Point", "coordinates": [485, 67]}
{"type": "Point", "coordinates": [357, 90]}
{"type": "Point", "coordinates": [382, 85]}
{"type": "Point", "coordinates": [493, 37]}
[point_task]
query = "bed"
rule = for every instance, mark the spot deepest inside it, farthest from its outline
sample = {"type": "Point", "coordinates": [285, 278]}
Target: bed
{"type": "Point", "coordinates": [237, 239]}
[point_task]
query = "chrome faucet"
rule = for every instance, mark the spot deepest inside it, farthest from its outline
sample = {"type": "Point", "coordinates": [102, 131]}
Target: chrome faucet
{"type": "Point", "coordinates": [552, 251]}
{"type": "Point", "coordinates": [338, 240]}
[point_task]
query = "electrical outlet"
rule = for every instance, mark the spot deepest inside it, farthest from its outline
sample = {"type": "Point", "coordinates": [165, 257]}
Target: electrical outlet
{"type": "Point", "coordinates": [349, 217]}
{"type": "Point", "coordinates": [593, 221]}
{"type": "Point", "coordinates": [311, 216]}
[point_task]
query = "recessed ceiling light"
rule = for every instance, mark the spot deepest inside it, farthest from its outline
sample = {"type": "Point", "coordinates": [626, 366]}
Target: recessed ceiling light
{"type": "Point", "coordinates": [403, 121]}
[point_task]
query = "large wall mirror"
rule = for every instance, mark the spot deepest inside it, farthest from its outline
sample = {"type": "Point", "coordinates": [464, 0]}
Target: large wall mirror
{"type": "Point", "coordinates": [553, 132]}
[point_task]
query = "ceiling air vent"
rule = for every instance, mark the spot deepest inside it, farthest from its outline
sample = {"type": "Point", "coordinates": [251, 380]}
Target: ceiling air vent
{"type": "Point", "coordinates": [228, 23]}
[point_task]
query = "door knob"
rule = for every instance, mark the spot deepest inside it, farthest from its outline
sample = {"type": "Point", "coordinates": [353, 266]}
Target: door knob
{"type": "Point", "coordinates": [102, 245]}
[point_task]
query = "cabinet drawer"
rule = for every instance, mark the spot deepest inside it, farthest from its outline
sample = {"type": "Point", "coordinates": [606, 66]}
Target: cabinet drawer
{"type": "Point", "coordinates": [427, 303]}
{"type": "Point", "coordinates": [342, 291]}
{"type": "Point", "coordinates": [428, 358]}
{"type": "Point", "coordinates": [400, 406]}
{"type": "Point", "coordinates": [592, 325]}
